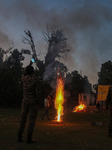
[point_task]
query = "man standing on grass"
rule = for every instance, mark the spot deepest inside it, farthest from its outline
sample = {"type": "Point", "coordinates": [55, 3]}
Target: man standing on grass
{"type": "Point", "coordinates": [47, 106]}
{"type": "Point", "coordinates": [29, 104]}
{"type": "Point", "coordinates": [109, 104]}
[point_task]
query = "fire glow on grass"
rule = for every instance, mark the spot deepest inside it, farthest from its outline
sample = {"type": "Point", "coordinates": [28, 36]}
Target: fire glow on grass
{"type": "Point", "coordinates": [59, 100]}
{"type": "Point", "coordinates": [79, 108]}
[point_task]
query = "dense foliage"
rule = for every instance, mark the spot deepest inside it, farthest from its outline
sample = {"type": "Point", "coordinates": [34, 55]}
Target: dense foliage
{"type": "Point", "coordinates": [10, 80]}
{"type": "Point", "coordinates": [105, 74]}
{"type": "Point", "coordinates": [76, 84]}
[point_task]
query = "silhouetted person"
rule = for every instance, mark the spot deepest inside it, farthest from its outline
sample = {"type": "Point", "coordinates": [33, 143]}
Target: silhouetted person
{"type": "Point", "coordinates": [98, 106]}
{"type": "Point", "coordinates": [109, 106]}
{"type": "Point", "coordinates": [29, 104]}
{"type": "Point", "coordinates": [47, 106]}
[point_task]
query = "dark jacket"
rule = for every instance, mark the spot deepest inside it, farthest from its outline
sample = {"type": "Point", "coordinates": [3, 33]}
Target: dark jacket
{"type": "Point", "coordinates": [30, 84]}
{"type": "Point", "coordinates": [109, 97]}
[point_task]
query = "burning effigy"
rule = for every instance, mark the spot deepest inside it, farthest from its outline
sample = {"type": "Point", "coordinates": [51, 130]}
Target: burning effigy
{"type": "Point", "coordinates": [80, 108]}
{"type": "Point", "coordinates": [59, 100]}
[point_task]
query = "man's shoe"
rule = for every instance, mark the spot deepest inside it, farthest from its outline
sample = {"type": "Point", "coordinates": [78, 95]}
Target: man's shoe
{"type": "Point", "coordinates": [30, 141]}
{"type": "Point", "coordinates": [19, 140]}
{"type": "Point", "coordinates": [19, 137]}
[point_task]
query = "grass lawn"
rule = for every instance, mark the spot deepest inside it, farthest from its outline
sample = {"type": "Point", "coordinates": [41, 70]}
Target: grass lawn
{"type": "Point", "coordinates": [75, 133]}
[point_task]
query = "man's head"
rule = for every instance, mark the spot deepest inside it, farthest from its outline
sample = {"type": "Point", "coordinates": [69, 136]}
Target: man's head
{"type": "Point", "coordinates": [29, 70]}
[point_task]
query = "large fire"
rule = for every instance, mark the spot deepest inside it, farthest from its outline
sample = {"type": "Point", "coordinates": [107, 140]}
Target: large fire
{"type": "Point", "coordinates": [79, 108]}
{"type": "Point", "coordinates": [59, 99]}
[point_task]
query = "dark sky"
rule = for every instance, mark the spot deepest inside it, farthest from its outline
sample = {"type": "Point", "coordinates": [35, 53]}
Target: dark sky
{"type": "Point", "coordinates": [86, 23]}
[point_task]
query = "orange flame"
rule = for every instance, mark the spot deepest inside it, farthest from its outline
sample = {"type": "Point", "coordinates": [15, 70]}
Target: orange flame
{"type": "Point", "coordinates": [79, 108]}
{"type": "Point", "coordinates": [59, 100]}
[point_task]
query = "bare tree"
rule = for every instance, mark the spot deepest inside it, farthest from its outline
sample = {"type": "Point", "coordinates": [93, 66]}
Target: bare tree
{"type": "Point", "coordinates": [57, 46]}
{"type": "Point", "coordinates": [28, 39]}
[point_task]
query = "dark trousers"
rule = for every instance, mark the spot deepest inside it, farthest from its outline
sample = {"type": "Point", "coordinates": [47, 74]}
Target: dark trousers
{"type": "Point", "coordinates": [110, 119]}
{"type": "Point", "coordinates": [32, 109]}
